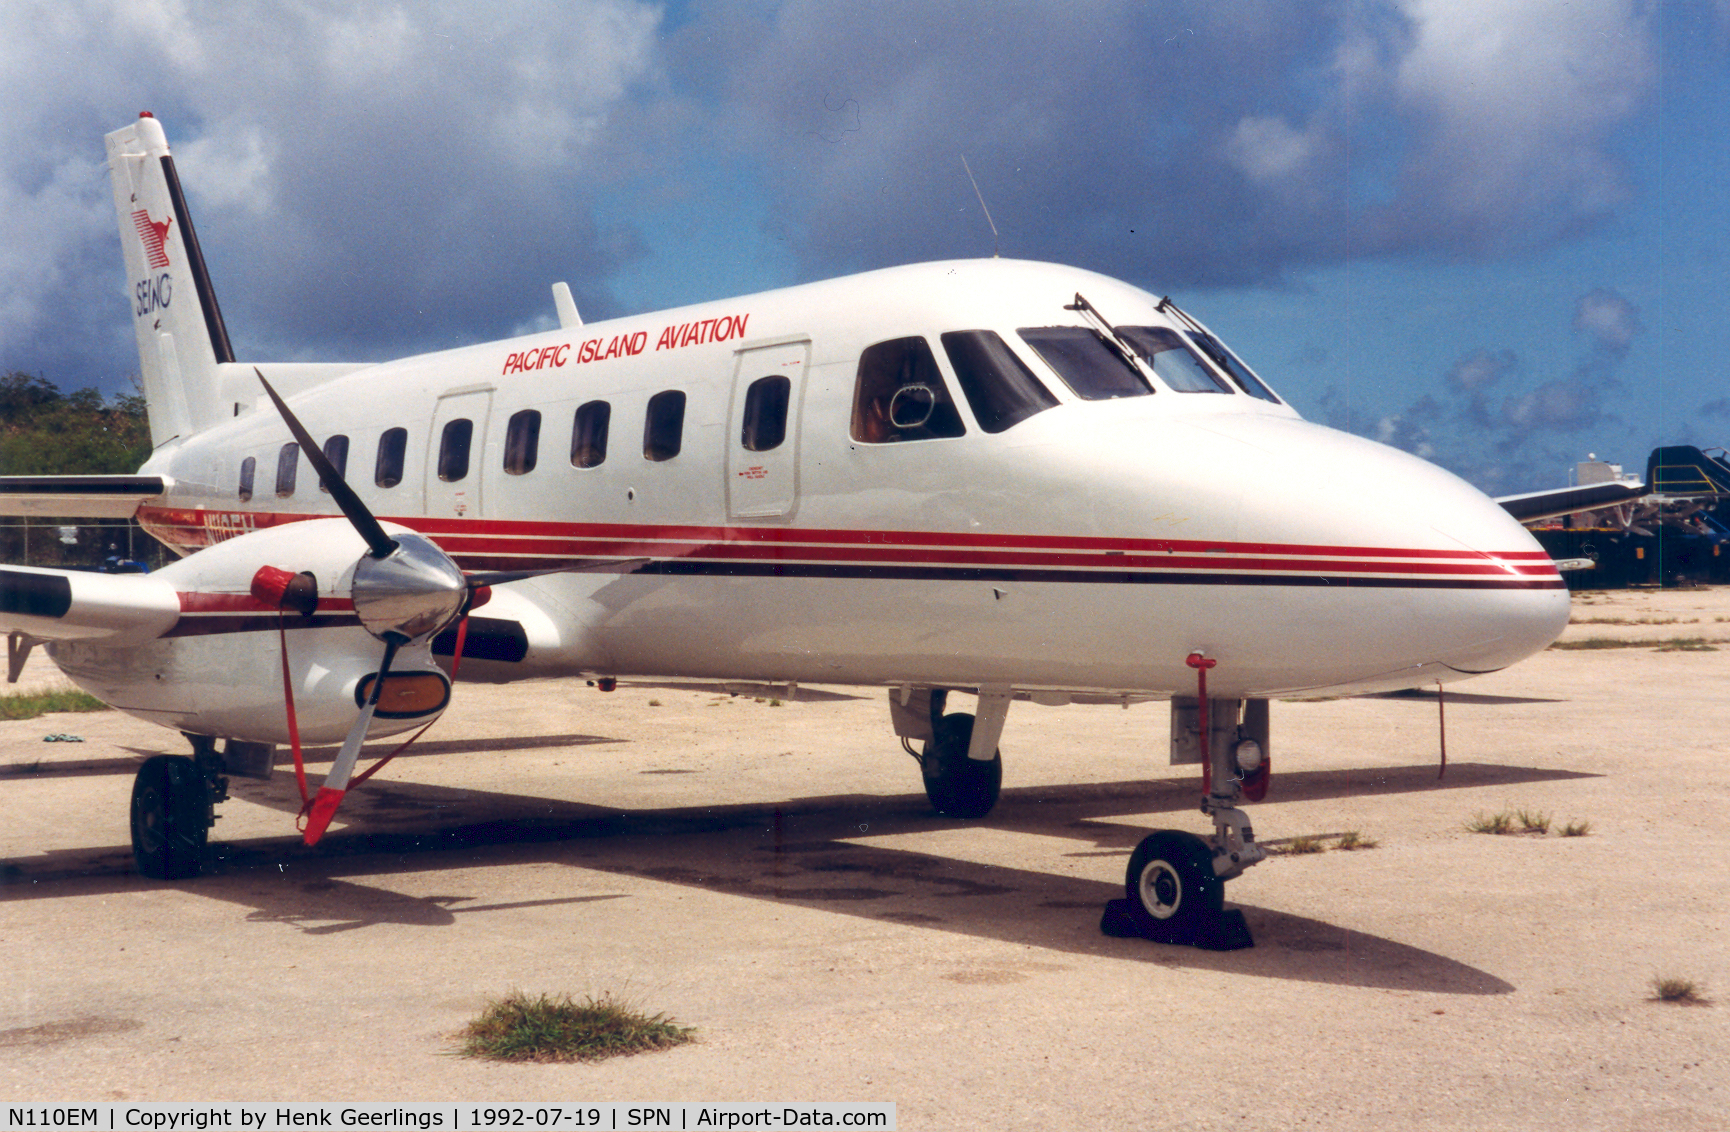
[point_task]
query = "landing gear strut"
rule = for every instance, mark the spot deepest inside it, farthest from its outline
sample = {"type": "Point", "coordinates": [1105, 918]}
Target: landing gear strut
{"type": "Point", "coordinates": [1175, 884]}
{"type": "Point", "coordinates": [174, 802]}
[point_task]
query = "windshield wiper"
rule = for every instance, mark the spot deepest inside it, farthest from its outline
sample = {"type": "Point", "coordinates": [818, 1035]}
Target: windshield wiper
{"type": "Point", "coordinates": [1124, 347]}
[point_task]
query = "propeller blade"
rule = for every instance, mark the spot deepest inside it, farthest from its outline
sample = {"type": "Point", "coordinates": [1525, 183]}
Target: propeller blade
{"type": "Point", "coordinates": [381, 544]}
{"type": "Point", "coordinates": [330, 795]}
{"type": "Point", "coordinates": [500, 577]}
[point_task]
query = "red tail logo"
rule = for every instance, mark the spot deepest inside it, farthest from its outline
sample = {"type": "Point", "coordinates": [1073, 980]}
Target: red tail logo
{"type": "Point", "coordinates": [153, 235]}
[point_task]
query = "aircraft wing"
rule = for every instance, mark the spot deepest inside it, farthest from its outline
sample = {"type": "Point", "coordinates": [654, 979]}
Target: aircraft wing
{"type": "Point", "coordinates": [79, 497]}
{"type": "Point", "coordinates": [1556, 502]}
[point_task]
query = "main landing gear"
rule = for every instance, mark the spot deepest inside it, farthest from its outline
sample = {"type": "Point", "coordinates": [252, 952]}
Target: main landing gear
{"type": "Point", "coordinates": [174, 800]}
{"type": "Point", "coordinates": [958, 760]}
{"type": "Point", "coordinates": [1175, 884]}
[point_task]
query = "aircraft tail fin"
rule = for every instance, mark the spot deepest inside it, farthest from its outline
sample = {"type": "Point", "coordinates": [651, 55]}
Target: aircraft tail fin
{"type": "Point", "coordinates": [181, 336]}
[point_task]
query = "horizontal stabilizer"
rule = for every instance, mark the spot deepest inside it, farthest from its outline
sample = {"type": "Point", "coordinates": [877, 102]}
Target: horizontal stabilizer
{"type": "Point", "coordinates": [1553, 504]}
{"type": "Point", "coordinates": [79, 497]}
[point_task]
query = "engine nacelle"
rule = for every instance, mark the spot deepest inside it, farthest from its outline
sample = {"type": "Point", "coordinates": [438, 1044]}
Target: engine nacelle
{"type": "Point", "coordinates": [219, 669]}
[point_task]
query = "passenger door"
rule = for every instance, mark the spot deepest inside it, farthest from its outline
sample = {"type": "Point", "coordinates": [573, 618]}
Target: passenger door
{"type": "Point", "coordinates": [763, 430]}
{"type": "Point", "coordinates": [453, 464]}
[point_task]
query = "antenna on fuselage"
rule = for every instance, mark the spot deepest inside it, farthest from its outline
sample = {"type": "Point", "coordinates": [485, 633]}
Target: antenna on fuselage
{"type": "Point", "coordinates": [982, 206]}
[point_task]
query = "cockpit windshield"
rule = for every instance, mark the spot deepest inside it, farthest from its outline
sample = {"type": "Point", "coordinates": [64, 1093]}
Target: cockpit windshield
{"type": "Point", "coordinates": [1172, 359]}
{"type": "Point", "coordinates": [1096, 370]}
{"type": "Point", "coordinates": [1229, 362]}
{"type": "Point", "coordinates": [1001, 389]}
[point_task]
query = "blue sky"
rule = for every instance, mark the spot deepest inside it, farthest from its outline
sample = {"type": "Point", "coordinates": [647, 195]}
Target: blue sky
{"type": "Point", "coordinates": [1489, 231]}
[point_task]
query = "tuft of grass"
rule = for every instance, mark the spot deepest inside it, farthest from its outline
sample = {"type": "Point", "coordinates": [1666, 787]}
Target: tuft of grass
{"type": "Point", "coordinates": [519, 1028]}
{"type": "Point", "coordinates": [1671, 644]}
{"type": "Point", "coordinates": [29, 705]}
{"type": "Point", "coordinates": [1634, 621]}
{"type": "Point", "coordinates": [1577, 829]}
{"type": "Point", "coordinates": [1533, 821]}
{"type": "Point", "coordinates": [1676, 989]}
{"type": "Point", "coordinates": [774, 703]}
{"type": "Point", "coordinates": [1351, 839]}
{"type": "Point", "coordinates": [1687, 644]}
{"type": "Point", "coordinates": [1296, 847]}
{"type": "Point", "coordinates": [1497, 823]}
{"type": "Point", "coordinates": [654, 703]}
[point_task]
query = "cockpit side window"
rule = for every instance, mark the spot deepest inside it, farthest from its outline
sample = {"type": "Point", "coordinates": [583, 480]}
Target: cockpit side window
{"type": "Point", "coordinates": [1085, 362]}
{"type": "Point", "coordinates": [1172, 360]}
{"type": "Point", "coordinates": [998, 386]}
{"type": "Point", "coordinates": [1232, 364]}
{"type": "Point", "coordinates": [900, 395]}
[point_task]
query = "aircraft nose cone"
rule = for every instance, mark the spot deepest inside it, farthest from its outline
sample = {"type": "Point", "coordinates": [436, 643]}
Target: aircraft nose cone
{"type": "Point", "coordinates": [1449, 583]}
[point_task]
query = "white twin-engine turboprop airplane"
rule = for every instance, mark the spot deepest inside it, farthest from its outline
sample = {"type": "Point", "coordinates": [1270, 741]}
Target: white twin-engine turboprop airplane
{"type": "Point", "coordinates": [1012, 480]}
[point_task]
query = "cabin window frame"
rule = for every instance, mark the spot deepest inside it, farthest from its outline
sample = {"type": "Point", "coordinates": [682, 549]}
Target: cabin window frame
{"type": "Point", "coordinates": [590, 425]}
{"type": "Point", "coordinates": [287, 469]}
{"type": "Point", "coordinates": [336, 451]}
{"type": "Point", "coordinates": [455, 455]}
{"type": "Point", "coordinates": [522, 442]}
{"type": "Point", "coordinates": [763, 420]}
{"type": "Point", "coordinates": [664, 426]}
{"type": "Point", "coordinates": [388, 464]}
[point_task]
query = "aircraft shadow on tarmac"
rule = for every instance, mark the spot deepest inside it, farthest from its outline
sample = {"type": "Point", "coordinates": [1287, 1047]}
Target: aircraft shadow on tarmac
{"type": "Point", "coordinates": [797, 852]}
{"type": "Point", "coordinates": [128, 765]}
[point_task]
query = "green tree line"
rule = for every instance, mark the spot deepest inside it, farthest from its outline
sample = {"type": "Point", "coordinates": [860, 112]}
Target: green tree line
{"type": "Point", "coordinates": [44, 431]}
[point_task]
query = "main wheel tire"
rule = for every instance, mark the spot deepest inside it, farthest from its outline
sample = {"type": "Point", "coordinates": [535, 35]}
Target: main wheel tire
{"type": "Point", "coordinates": [170, 818]}
{"type": "Point", "coordinates": [959, 787]}
{"type": "Point", "coordinates": [1172, 884]}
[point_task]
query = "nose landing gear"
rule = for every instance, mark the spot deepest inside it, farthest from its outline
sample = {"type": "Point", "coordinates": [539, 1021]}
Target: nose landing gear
{"type": "Point", "coordinates": [1175, 884]}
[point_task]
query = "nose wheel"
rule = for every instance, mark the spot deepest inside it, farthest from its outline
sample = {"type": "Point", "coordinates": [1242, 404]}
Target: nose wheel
{"type": "Point", "coordinates": [1171, 883]}
{"type": "Point", "coordinates": [1174, 888]}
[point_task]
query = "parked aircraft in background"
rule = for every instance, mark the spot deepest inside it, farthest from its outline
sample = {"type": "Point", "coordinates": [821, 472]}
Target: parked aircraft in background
{"type": "Point", "coordinates": [1009, 480]}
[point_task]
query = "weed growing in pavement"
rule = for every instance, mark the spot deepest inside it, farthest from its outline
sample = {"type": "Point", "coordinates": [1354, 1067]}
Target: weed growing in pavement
{"type": "Point", "coordinates": [1671, 644]}
{"type": "Point", "coordinates": [1577, 829]}
{"type": "Point", "coordinates": [1294, 847]}
{"type": "Point", "coordinates": [519, 1028]}
{"type": "Point", "coordinates": [1351, 839]}
{"type": "Point", "coordinates": [1687, 644]}
{"type": "Point", "coordinates": [1500, 822]}
{"type": "Point", "coordinates": [1534, 821]}
{"type": "Point", "coordinates": [1678, 990]}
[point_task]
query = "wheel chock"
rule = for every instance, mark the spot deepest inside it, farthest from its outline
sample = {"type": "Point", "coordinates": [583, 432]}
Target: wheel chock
{"type": "Point", "coordinates": [1227, 931]}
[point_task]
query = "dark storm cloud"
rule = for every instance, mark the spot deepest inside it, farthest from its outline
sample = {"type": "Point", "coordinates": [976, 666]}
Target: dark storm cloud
{"type": "Point", "coordinates": [367, 180]}
{"type": "Point", "coordinates": [370, 178]}
{"type": "Point", "coordinates": [1177, 143]}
